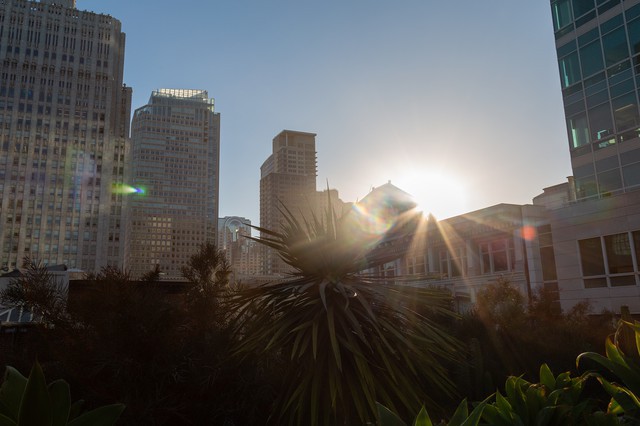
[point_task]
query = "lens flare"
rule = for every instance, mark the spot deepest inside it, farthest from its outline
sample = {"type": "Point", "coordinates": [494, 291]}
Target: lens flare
{"type": "Point", "coordinates": [528, 232]}
{"type": "Point", "coordinates": [372, 221]}
{"type": "Point", "coordinates": [120, 188]}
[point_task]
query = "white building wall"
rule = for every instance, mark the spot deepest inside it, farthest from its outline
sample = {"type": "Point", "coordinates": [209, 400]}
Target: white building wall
{"type": "Point", "coordinates": [589, 219]}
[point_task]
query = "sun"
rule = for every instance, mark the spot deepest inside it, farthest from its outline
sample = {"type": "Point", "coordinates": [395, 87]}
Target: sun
{"type": "Point", "coordinates": [436, 192]}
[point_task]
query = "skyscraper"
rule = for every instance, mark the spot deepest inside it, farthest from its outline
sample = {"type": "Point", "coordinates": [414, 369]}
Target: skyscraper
{"type": "Point", "coordinates": [176, 154]}
{"type": "Point", "coordinates": [64, 127]}
{"type": "Point", "coordinates": [598, 47]}
{"type": "Point", "coordinates": [287, 178]}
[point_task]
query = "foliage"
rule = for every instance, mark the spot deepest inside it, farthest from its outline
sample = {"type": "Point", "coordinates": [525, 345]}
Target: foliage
{"type": "Point", "coordinates": [505, 336]}
{"type": "Point", "coordinates": [623, 360]}
{"type": "Point", "coordinates": [207, 268]}
{"type": "Point", "coordinates": [31, 401]}
{"type": "Point", "coordinates": [552, 401]}
{"type": "Point", "coordinates": [349, 336]}
{"type": "Point", "coordinates": [136, 342]}
{"type": "Point", "coordinates": [207, 272]}
{"type": "Point", "coordinates": [461, 417]}
{"type": "Point", "coordinates": [124, 344]}
{"type": "Point", "coordinates": [37, 290]}
{"type": "Point", "coordinates": [321, 346]}
{"type": "Point", "coordinates": [153, 276]}
{"type": "Point", "coordinates": [562, 399]}
{"type": "Point", "coordinates": [501, 304]}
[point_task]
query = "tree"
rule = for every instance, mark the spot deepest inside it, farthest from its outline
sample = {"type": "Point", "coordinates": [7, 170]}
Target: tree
{"type": "Point", "coordinates": [349, 336]}
{"type": "Point", "coordinates": [38, 291]}
{"type": "Point", "coordinates": [208, 274]}
{"type": "Point", "coordinates": [501, 304]}
{"type": "Point", "coordinates": [207, 268]}
{"type": "Point", "coordinates": [515, 338]}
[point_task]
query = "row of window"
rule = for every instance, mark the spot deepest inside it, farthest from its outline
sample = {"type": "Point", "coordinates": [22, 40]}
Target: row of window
{"type": "Point", "coordinates": [590, 184]}
{"type": "Point", "coordinates": [570, 14]}
{"type": "Point", "coordinates": [611, 260]}
{"type": "Point", "coordinates": [64, 57]}
{"type": "Point", "coordinates": [494, 257]}
{"type": "Point", "coordinates": [597, 75]}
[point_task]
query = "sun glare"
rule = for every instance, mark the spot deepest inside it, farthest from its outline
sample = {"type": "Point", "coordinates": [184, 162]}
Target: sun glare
{"type": "Point", "coordinates": [436, 192]}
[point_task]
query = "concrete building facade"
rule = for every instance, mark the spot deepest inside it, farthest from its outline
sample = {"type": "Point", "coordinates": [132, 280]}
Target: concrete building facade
{"type": "Point", "coordinates": [287, 178]}
{"type": "Point", "coordinates": [176, 170]}
{"type": "Point", "coordinates": [64, 135]}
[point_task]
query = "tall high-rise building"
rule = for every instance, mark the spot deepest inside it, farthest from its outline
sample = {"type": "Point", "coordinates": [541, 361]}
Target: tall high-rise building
{"type": "Point", "coordinates": [64, 127]}
{"type": "Point", "coordinates": [176, 155]}
{"type": "Point", "coordinates": [287, 178]}
{"type": "Point", "coordinates": [598, 47]}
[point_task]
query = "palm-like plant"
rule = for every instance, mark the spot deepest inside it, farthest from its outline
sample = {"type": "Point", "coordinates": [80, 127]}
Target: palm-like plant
{"type": "Point", "coordinates": [351, 337]}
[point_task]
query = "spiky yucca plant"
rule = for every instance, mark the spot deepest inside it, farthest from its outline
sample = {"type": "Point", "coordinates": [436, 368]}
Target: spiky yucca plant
{"type": "Point", "coordinates": [351, 338]}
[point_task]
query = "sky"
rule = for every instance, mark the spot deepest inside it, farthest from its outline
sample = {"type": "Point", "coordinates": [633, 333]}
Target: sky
{"type": "Point", "coordinates": [456, 102]}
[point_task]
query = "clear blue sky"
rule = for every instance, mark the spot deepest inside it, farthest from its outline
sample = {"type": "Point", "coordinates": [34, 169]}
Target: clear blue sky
{"type": "Point", "coordinates": [410, 91]}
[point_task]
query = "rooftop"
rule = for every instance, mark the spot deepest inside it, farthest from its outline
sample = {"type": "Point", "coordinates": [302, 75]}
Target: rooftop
{"type": "Point", "coordinates": [193, 94]}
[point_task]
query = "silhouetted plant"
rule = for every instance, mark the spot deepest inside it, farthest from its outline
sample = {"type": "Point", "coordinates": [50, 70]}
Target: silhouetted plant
{"type": "Point", "coordinates": [131, 341]}
{"type": "Point", "coordinates": [501, 304]}
{"type": "Point", "coordinates": [153, 276]}
{"type": "Point", "coordinates": [38, 291]}
{"type": "Point", "coordinates": [349, 336]}
{"type": "Point", "coordinates": [207, 272]}
{"type": "Point", "coordinates": [126, 344]}
{"type": "Point", "coordinates": [517, 337]}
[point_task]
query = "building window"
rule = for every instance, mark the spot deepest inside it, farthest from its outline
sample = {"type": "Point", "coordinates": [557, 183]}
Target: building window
{"type": "Point", "coordinates": [547, 254]}
{"type": "Point", "coordinates": [618, 254]}
{"type": "Point", "coordinates": [497, 256]}
{"type": "Point", "coordinates": [591, 257]}
{"type": "Point", "coordinates": [416, 265]}
{"type": "Point", "coordinates": [569, 70]}
{"type": "Point", "coordinates": [610, 261]}
{"type": "Point", "coordinates": [458, 262]}
{"type": "Point", "coordinates": [444, 263]}
{"type": "Point", "coordinates": [562, 16]}
{"type": "Point", "coordinates": [453, 263]}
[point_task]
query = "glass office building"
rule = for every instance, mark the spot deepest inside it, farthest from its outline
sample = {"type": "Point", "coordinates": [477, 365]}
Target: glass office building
{"type": "Point", "coordinates": [598, 47]}
{"type": "Point", "coordinates": [176, 156]}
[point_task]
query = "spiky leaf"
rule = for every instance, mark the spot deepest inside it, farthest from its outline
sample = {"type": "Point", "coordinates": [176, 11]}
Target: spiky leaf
{"type": "Point", "coordinates": [103, 416]}
{"type": "Point", "coordinates": [35, 408]}
{"type": "Point", "coordinates": [11, 392]}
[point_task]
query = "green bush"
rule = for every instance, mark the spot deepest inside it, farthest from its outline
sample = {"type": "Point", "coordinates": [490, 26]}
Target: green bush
{"type": "Point", "coordinates": [562, 399]}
